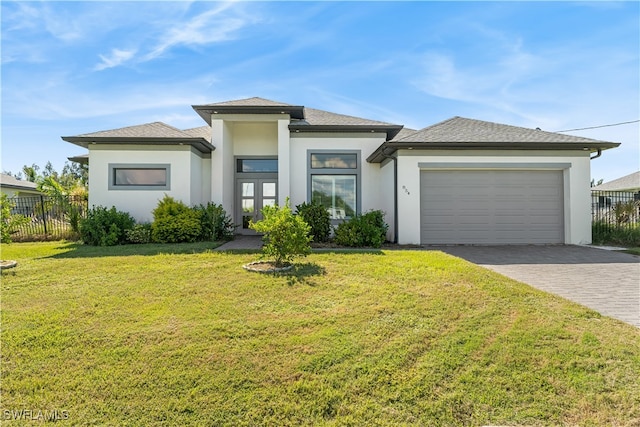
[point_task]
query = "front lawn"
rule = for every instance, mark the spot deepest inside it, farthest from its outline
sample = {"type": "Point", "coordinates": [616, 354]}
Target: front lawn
{"type": "Point", "coordinates": [137, 336]}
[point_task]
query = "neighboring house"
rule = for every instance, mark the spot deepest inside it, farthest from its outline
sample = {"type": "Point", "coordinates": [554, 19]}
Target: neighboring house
{"type": "Point", "coordinates": [621, 190]}
{"type": "Point", "coordinates": [13, 187]}
{"type": "Point", "coordinates": [459, 181]}
{"type": "Point", "coordinates": [628, 183]}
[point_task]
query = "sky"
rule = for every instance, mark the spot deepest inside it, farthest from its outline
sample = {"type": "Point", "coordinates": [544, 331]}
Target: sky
{"type": "Point", "coordinates": [70, 68]}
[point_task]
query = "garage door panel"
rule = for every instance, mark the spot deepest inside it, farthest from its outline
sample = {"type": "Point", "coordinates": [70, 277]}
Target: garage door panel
{"type": "Point", "coordinates": [486, 207]}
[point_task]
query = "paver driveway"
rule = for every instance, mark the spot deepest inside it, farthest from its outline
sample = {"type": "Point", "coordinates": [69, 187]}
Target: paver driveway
{"type": "Point", "coordinates": [606, 281]}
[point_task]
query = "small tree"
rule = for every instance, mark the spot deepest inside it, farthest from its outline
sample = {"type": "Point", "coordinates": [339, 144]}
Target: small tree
{"type": "Point", "coordinates": [286, 235]}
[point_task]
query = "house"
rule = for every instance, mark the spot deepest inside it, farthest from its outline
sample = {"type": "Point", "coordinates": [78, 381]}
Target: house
{"type": "Point", "coordinates": [15, 188]}
{"type": "Point", "coordinates": [461, 181]}
{"type": "Point", "coordinates": [621, 190]}
{"type": "Point", "coordinates": [628, 183]}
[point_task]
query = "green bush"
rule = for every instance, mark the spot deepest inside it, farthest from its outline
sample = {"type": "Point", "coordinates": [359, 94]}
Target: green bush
{"type": "Point", "coordinates": [140, 233]}
{"type": "Point", "coordinates": [367, 230]}
{"type": "Point", "coordinates": [286, 235]}
{"type": "Point", "coordinates": [105, 227]}
{"type": "Point", "coordinates": [175, 222]}
{"type": "Point", "coordinates": [318, 219]}
{"type": "Point", "coordinates": [214, 222]}
{"type": "Point", "coordinates": [9, 222]}
{"type": "Point", "coordinates": [604, 233]}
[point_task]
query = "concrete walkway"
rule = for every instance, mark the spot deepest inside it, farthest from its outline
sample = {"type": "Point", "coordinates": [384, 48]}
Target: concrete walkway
{"type": "Point", "coordinates": [242, 242]}
{"type": "Point", "coordinates": [605, 281]}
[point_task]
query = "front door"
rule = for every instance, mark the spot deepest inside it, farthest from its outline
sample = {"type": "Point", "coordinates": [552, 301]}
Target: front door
{"type": "Point", "coordinates": [253, 195]}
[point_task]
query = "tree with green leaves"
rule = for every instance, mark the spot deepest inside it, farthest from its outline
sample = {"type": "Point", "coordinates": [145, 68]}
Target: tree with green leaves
{"type": "Point", "coordinates": [286, 236]}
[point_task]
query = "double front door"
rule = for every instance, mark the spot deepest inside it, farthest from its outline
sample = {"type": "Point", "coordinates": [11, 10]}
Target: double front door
{"type": "Point", "coordinates": [253, 195]}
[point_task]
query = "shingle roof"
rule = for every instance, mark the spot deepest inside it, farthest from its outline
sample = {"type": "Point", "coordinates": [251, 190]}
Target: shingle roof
{"type": "Point", "coordinates": [625, 183]}
{"type": "Point", "coordinates": [12, 182]}
{"type": "Point", "coordinates": [200, 132]}
{"type": "Point", "coordinates": [156, 133]}
{"type": "Point", "coordinates": [460, 129]}
{"type": "Point", "coordinates": [463, 133]}
{"type": "Point", "coordinates": [404, 132]}
{"type": "Point", "coordinates": [303, 119]}
{"type": "Point", "coordinates": [249, 102]}
{"type": "Point", "coordinates": [147, 130]}
{"type": "Point", "coordinates": [315, 117]}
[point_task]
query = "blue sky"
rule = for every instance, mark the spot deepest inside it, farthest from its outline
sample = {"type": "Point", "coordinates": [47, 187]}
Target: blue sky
{"type": "Point", "coordinates": [76, 67]}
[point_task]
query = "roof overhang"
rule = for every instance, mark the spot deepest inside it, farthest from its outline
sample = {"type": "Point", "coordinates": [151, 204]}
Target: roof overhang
{"type": "Point", "coordinates": [389, 148]}
{"type": "Point", "coordinates": [21, 188]}
{"type": "Point", "coordinates": [391, 131]}
{"type": "Point", "coordinates": [207, 111]}
{"type": "Point", "coordinates": [199, 144]}
{"type": "Point", "coordinates": [82, 159]}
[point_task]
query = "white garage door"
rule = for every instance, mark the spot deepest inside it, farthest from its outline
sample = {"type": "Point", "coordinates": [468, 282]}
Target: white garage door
{"type": "Point", "coordinates": [491, 207]}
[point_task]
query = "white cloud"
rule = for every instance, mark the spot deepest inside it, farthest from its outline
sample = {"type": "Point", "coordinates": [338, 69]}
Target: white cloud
{"type": "Point", "coordinates": [208, 27]}
{"type": "Point", "coordinates": [116, 58]}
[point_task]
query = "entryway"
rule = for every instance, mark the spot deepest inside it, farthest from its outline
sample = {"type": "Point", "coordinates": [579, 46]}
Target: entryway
{"type": "Point", "coordinates": [252, 195]}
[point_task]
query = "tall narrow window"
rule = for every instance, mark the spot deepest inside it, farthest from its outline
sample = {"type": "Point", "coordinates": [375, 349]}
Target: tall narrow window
{"type": "Point", "coordinates": [334, 182]}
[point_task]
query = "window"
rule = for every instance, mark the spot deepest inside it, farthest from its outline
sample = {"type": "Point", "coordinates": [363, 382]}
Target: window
{"type": "Point", "coordinates": [139, 177]}
{"type": "Point", "coordinates": [334, 182]}
{"type": "Point", "coordinates": [257, 165]}
{"type": "Point", "coordinates": [334, 161]}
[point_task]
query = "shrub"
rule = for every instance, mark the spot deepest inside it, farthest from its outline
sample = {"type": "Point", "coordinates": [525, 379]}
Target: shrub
{"type": "Point", "coordinates": [140, 233]}
{"type": "Point", "coordinates": [215, 223]}
{"type": "Point", "coordinates": [367, 230]}
{"type": "Point", "coordinates": [318, 219]}
{"type": "Point", "coordinates": [105, 227]}
{"type": "Point", "coordinates": [286, 235]}
{"type": "Point", "coordinates": [175, 222]}
{"type": "Point", "coordinates": [604, 233]}
{"type": "Point", "coordinates": [9, 222]}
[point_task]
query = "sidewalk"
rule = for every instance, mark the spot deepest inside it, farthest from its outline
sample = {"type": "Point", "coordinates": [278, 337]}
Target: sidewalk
{"type": "Point", "coordinates": [242, 242]}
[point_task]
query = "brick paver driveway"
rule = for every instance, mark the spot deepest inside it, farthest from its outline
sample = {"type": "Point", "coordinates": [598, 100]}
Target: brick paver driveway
{"type": "Point", "coordinates": [606, 281]}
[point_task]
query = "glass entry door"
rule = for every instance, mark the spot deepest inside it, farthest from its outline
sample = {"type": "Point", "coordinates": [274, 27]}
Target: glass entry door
{"type": "Point", "coordinates": [253, 195]}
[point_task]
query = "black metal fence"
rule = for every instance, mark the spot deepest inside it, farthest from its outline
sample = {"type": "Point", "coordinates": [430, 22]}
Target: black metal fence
{"type": "Point", "coordinates": [48, 218]}
{"type": "Point", "coordinates": [616, 208]}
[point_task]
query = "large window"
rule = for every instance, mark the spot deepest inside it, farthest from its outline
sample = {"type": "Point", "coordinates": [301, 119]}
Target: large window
{"type": "Point", "coordinates": [335, 182]}
{"type": "Point", "coordinates": [139, 177]}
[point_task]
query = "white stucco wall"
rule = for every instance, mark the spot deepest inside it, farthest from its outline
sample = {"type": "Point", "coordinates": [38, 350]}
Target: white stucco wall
{"type": "Point", "coordinates": [185, 169]}
{"type": "Point", "coordinates": [386, 195]}
{"type": "Point", "coordinates": [366, 143]}
{"type": "Point", "coordinates": [577, 199]}
{"type": "Point", "coordinates": [240, 135]}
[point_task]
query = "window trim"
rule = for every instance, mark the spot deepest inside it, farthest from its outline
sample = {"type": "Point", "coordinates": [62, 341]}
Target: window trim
{"type": "Point", "coordinates": [357, 172]}
{"type": "Point", "coordinates": [118, 187]}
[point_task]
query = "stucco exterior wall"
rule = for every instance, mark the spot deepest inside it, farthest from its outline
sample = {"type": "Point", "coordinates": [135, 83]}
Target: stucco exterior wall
{"type": "Point", "coordinates": [185, 170]}
{"type": "Point", "coordinates": [254, 138]}
{"type": "Point", "coordinates": [577, 199]}
{"type": "Point", "coordinates": [366, 143]}
{"type": "Point", "coordinates": [386, 196]}
{"type": "Point", "coordinates": [240, 135]}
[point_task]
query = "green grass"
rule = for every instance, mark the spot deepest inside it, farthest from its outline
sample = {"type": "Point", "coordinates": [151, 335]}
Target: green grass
{"type": "Point", "coordinates": [633, 251]}
{"type": "Point", "coordinates": [136, 335]}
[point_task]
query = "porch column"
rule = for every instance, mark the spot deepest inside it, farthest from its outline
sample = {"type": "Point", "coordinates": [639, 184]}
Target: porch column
{"type": "Point", "coordinates": [284, 163]}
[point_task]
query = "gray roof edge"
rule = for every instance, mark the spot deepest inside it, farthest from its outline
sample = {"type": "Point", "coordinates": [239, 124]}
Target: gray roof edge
{"type": "Point", "coordinates": [201, 144]}
{"type": "Point", "coordinates": [206, 111]}
{"type": "Point", "coordinates": [377, 156]}
{"type": "Point", "coordinates": [390, 130]}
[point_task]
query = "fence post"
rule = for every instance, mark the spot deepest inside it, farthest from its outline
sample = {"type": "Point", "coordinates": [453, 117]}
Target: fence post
{"type": "Point", "coordinates": [44, 218]}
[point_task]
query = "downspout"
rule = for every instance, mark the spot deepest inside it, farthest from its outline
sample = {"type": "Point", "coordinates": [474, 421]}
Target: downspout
{"type": "Point", "coordinates": [597, 155]}
{"type": "Point", "coordinates": [395, 194]}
